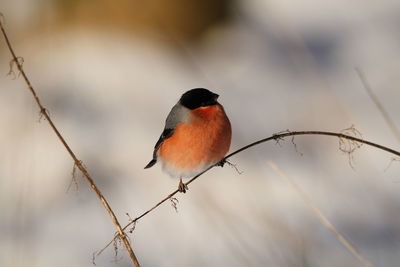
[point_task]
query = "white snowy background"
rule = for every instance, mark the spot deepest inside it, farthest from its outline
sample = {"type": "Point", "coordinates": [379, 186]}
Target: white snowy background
{"type": "Point", "coordinates": [109, 84]}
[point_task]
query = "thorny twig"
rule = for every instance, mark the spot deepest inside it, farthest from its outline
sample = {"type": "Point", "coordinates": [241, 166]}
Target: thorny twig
{"type": "Point", "coordinates": [121, 234]}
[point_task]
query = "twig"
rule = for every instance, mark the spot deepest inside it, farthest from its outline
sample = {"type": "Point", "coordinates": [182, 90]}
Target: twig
{"type": "Point", "coordinates": [347, 146]}
{"type": "Point", "coordinates": [390, 163]}
{"type": "Point", "coordinates": [74, 180]}
{"type": "Point", "coordinates": [174, 203]}
{"type": "Point", "coordinates": [374, 98]}
{"type": "Point", "coordinates": [275, 137]}
{"type": "Point", "coordinates": [295, 147]}
{"type": "Point", "coordinates": [310, 204]}
{"type": "Point", "coordinates": [233, 166]}
{"type": "Point", "coordinates": [43, 111]}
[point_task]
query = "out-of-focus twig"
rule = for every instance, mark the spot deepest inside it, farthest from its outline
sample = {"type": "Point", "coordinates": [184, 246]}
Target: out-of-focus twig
{"type": "Point", "coordinates": [310, 204]}
{"type": "Point", "coordinates": [378, 104]}
{"type": "Point", "coordinates": [78, 163]}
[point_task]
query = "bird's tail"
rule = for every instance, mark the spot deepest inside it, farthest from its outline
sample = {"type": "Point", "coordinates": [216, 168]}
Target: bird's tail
{"type": "Point", "coordinates": [151, 163]}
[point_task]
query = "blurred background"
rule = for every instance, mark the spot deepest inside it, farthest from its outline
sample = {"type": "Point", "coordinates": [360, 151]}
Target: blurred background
{"type": "Point", "coordinates": [109, 73]}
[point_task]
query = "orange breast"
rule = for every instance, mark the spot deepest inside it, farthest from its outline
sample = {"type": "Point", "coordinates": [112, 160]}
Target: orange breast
{"type": "Point", "coordinates": [196, 145]}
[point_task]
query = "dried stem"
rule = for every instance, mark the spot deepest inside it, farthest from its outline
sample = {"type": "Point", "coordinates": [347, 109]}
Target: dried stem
{"type": "Point", "coordinates": [381, 108]}
{"type": "Point", "coordinates": [43, 112]}
{"type": "Point", "coordinates": [275, 137]}
{"type": "Point", "coordinates": [314, 209]}
{"type": "Point", "coordinates": [120, 231]}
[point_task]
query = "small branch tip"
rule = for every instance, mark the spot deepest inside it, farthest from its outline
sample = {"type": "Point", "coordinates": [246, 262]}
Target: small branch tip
{"type": "Point", "coordinates": [393, 159]}
{"type": "Point", "coordinates": [348, 146]}
{"type": "Point", "coordinates": [234, 166]}
{"type": "Point", "coordinates": [295, 147]}
{"type": "Point", "coordinates": [174, 203]}
{"type": "Point", "coordinates": [19, 61]}
{"type": "Point", "coordinates": [74, 180]}
{"type": "Point", "coordinates": [2, 20]}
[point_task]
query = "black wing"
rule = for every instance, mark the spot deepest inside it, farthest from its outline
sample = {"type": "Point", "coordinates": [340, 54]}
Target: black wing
{"type": "Point", "coordinates": [178, 114]}
{"type": "Point", "coordinates": [165, 134]}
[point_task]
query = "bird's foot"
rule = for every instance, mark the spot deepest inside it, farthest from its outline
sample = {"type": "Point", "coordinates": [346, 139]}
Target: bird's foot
{"type": "Point", "coordinates": [182, 187]}
{"type": "Point", "coordinates": [222, 163]}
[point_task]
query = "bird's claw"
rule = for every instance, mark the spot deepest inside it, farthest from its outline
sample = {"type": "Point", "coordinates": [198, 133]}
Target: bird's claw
{"type": "Point", "coordinates": [182, 187]}
{"type": "Point", "coordinates": [221, 163]}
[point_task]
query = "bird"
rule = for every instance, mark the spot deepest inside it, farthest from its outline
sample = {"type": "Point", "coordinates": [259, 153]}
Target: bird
{"type": "Point", "coordinates": [197, 134]}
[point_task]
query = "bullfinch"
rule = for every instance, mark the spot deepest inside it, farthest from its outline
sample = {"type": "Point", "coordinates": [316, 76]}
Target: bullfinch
{"type": "Point", "coordinates": [197, 134]}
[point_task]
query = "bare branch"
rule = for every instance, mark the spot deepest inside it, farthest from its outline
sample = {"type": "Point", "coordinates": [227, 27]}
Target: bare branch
{"type": "Point", "coordinates": [2, 19]}
{"type": "Point", "coordinates": [325, 222]}
{"type": "Point", "coordinates": [43, 111]}
{"type": "Point", "coordinates": [121, 236]}
{"type": "Point", "coordinates": [381, 108]}
{"type": "Point", "coordinates": [15, 61]}
{"type": "Point", "coordinates": [391, 161]}
{"type": "Point", "coordinates": [74, 181]}
{"type": "Point", "coordinates": [295, 147]}
{"type": "Point", "coordinates": [233, 166]}
{"type": "Point", "coordinates": [350, 146]}
{"type": "Point", "coordinates": [279, 136]}
{"type": "Point", "coordinates": [174, 203]}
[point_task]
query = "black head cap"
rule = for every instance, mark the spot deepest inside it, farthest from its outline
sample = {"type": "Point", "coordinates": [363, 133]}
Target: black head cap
{"type": "Point", "coordinates": [198, 97]}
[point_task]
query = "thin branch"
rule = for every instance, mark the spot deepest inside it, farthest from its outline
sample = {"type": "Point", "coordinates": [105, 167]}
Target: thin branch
{"type": "Point", "coordinates": [275, 137]}
{"type": "Point", "coordinates": [381, 108]}
{"type": "Point", "coordinates": [310, 204]}
{"type": "Point", "coordinates": [43, 112]}
{"type": "Point", "coordinates": [74, 180]}
{"type": "Point", "coordinates": [348, 147]}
